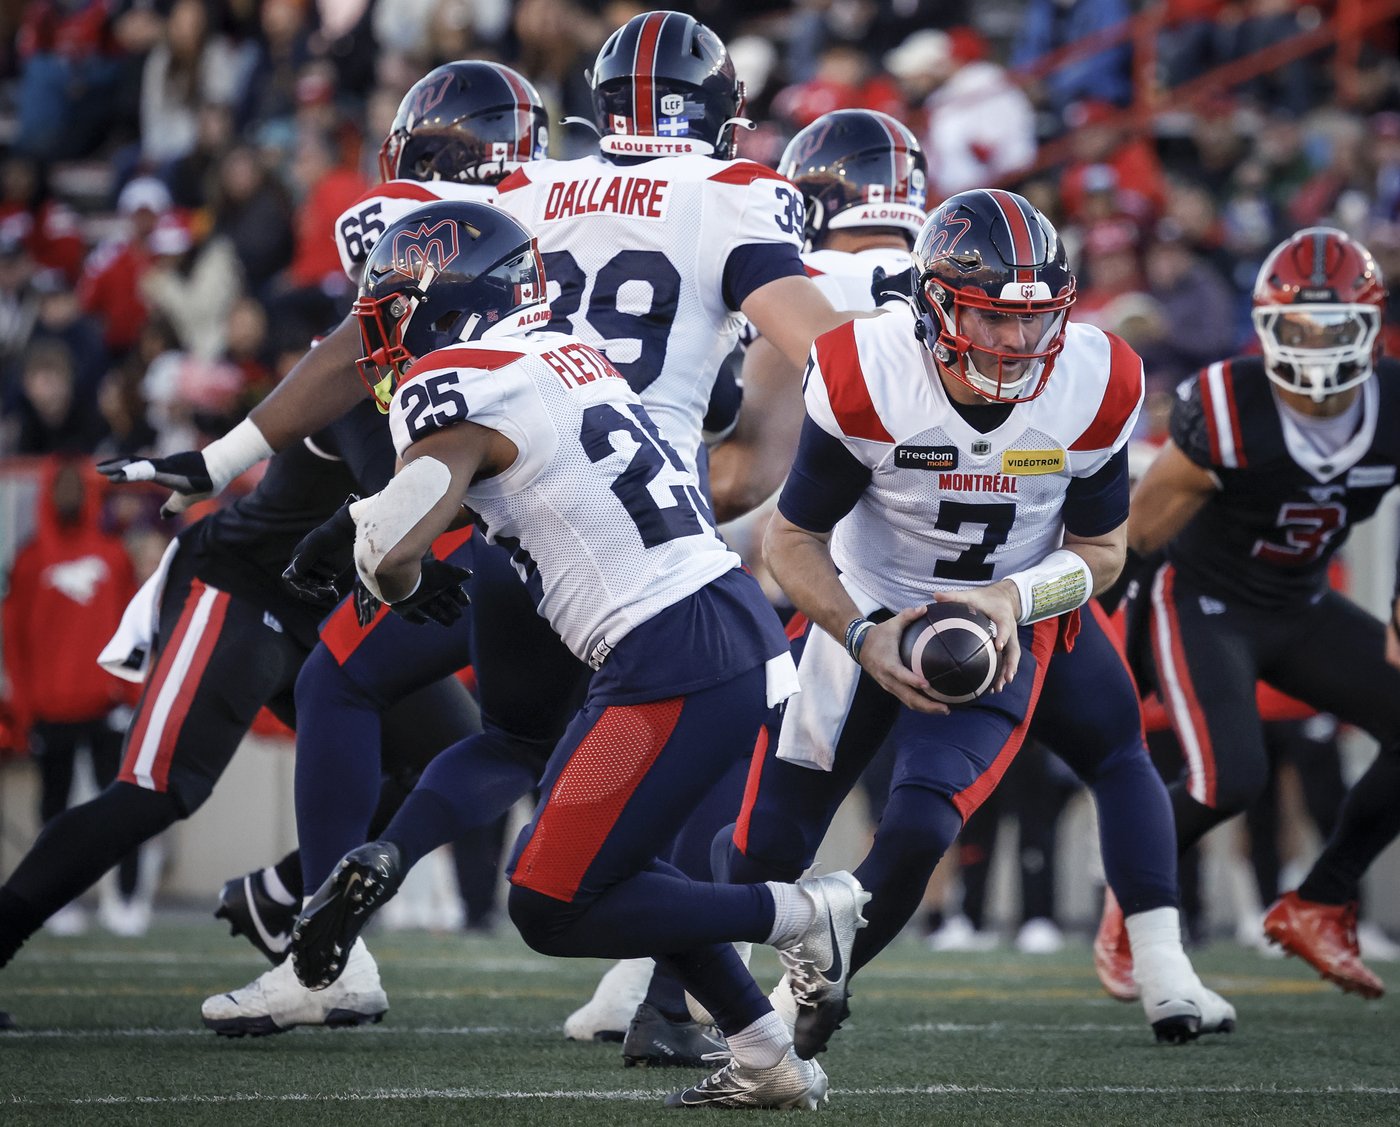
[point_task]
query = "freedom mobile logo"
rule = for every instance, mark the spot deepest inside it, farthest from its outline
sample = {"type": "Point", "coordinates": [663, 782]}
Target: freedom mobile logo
{"type": "Point", "coordinates": [926, 457]}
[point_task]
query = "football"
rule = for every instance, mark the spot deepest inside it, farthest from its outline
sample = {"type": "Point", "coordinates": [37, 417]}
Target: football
{"type": "Point", "coordinates": [953, 646]}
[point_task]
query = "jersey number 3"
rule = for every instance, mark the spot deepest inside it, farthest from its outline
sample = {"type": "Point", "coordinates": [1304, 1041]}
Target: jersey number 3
{"type": "Point", "coordinates": [1306, 530]}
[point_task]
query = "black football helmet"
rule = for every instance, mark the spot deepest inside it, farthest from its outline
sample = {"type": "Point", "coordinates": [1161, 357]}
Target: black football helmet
{"type": "Point", "coordinates": [858, 168]}
{"type": "Point", "coordinates": [445, 273]}
{"type": "Point", "coordinates": [991, 278]}
{"type": "Point", "coordinates": [471, 122]}
{"type": "Point", "coordinates": [666, 77]}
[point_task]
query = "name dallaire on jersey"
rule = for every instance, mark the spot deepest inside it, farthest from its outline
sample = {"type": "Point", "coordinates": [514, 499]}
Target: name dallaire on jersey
{"type": "Point", "coordinates": [1014, 464]}
{"type": "Point", "coordinates": [638, 197]}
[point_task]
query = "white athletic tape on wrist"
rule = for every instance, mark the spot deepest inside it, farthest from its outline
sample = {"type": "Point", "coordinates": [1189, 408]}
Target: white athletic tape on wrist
{"type": "Point", "coordinates": [1059, 583]}
{"type": "Point", "coordinates": [241, 449]}
{"type": "Point", "coordinates": [386, 518]}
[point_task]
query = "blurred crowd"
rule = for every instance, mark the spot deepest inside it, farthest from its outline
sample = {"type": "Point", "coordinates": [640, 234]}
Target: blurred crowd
{"type": "Point", "coordinates": [171, 168]}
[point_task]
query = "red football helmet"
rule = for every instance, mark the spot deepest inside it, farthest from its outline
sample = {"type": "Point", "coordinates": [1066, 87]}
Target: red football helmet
{"type": "Point", "coordinates": [1318, 305]}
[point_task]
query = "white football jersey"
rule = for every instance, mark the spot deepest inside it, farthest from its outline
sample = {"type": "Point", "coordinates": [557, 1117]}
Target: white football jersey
{"type": "Point", "coordinates": [635, 257]}
{"type": "Point", "coordinates": [361, 224]}
{"type": "Point", "coordinates": [603, 520]}
{"type": "Point", "coordinates": [845, 277]}
{"type": "Point", "coordinates": [947, 506]}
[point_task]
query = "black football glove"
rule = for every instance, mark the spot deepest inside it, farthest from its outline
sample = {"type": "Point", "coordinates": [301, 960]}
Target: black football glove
{"type": "Point", "coordinates": [439, 597]}
{"type": "Point", "coordinates": [366, 605]}
{"type": "Point", "coordinates": [323, 562]}
{"type": "Point", "coordinates": [891, 287]}
{"type": "Point", "coordinates": [186, 473]}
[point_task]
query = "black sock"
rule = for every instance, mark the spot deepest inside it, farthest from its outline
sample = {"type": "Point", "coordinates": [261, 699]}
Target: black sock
{"type": "Point", "coordinates": [288, 871]}
{"type": "Point", "coordinates": [18, 921]}
{"type": "Point", "coordinates": [1193, 820]}
{"type": "Point", "coordinates": [77, 847]}
{"type": "Point", "coordinates": [1368, 822]}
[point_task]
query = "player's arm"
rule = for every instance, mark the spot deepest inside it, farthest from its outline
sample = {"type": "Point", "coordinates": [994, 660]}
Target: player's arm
{"type": "Point", "coordinates": [319, 389]}
{"type": "Point", "coordinates": [1171, 492]}
{"type": "Point", "coordinates": [395, 528]}
{"type": "Point", "coordinates": [791, 312]}
{"type": "Point", "coordinates": [751, 463]}
{"type": "Point", "coordinates": [824, 485]}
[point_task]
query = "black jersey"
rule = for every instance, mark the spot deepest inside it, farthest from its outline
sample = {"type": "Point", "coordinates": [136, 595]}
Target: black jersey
{"type": "Point", "coordinates": [1281, 513]}
{"type": "Point", "coordinates": [244, 548]}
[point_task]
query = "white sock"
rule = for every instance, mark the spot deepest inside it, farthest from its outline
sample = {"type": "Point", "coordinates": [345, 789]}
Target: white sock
{"type": "Point", "coordinates": [1155, 937]}
{"type": "Point", "coordinates": [273, 886]}
{"type": "Point", "coordinates": [762, 1044]}
{"type": "Point", "coordinates": [792, 913]}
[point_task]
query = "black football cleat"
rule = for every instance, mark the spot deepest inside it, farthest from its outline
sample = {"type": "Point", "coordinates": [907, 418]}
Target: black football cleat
{"type": "Point", "coordinates": [656, 1041]}
{"type": "Point", "coordinates": [6, 1021]}
{"type": "Point", "coordinates": [252, 913]}
{"type": "Point", "coordinates": [366, 877]}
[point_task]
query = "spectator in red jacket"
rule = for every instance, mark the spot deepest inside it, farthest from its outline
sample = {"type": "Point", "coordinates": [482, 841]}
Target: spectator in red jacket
{"type": "Point", "coordinates": [111, 285]}
{"type": "Point", "coordinates": [67, 591]}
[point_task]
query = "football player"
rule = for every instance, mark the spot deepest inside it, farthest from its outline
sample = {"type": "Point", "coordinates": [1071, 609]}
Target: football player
{"type": "Point", "coordinates": [1272, 460]}
{"type": "Point", "coordinates": [656, 250]}
{"type": "Point", "coordinates": [229, 640]}
{"type": "Point", "coordinates": [565, 468]}
{"type": "Point", "coordinates": [862, 176]}
{"type": "Point", "coordinates": [863, 180]}
{"type": "Point", "coordinates": [972, 428]}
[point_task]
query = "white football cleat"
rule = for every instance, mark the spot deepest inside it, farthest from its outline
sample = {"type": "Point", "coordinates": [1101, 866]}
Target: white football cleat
{"type": "Point", "coordinates": [607, 1015]}
{"type": "Point", "coordinates": [791, 1084]}
{"type": "Point", "coordinates": [818, 962]}
{"type": "Point", "coordinates": [1179, 1006]}
{"type": "Point", "coordinates": [275, 1001]}
{"type": "Point", "coordinates": [699, 1013]}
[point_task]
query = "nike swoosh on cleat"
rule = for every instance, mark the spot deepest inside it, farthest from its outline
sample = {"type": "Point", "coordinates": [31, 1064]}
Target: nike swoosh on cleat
{"type": "Point", "coordinates": [834, 975]}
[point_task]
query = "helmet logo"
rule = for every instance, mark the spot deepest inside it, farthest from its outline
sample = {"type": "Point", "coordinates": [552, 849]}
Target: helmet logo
{"type": "Point", "coordinates": [948, 233]}
{"type": "Point", "coordinates": [1028, 290]}
{"type": "Point", "coordinates": [918, 187]}
{"type": "Point", "coordinates": [416, 250]}
{"type": "Point", "coordinates": [429, 98]}
{"type": "Point", "coordinates": [672, 105]}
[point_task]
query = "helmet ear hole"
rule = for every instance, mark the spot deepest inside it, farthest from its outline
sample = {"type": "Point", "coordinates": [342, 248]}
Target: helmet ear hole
{"type": "Point", "coordinates": [445, 323]}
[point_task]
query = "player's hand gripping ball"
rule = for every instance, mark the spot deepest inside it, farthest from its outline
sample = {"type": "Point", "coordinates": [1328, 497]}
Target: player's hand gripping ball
{"type": "Point", "coordinates": [954, 647]}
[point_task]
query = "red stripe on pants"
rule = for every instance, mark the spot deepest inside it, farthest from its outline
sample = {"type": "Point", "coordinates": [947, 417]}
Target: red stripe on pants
{"type": "Point", "coordinates": [1046, 633]}
{"type": "Point", "coordinates": [741, 827]}
{"type": "Point", "coordinates": [588, 797]}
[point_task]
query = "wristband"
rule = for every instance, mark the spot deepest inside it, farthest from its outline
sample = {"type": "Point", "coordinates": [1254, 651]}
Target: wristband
{"type": "Point", "coordinates": [1058, 584]}
{"type": "Point", "coordinates": [241, 449]}
{"type": "Point", "coordinates": [855, 636]}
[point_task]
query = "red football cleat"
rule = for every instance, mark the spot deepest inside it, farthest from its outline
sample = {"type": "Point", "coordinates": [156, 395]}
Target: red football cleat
{"type": "Point", "coordinates": [1113, 956]}
{"type": "Point", "coordinates": [1325, 936]}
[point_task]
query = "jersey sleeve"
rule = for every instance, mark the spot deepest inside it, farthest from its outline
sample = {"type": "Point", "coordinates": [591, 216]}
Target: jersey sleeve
{"type": "Point", "coordinates": [838, 398]}
{"type": "Point", "coordinates": [1189, 428]}
{"type": "Point", "coordinates": [361, 224]}
{"type": "Point", "coordinates": [455, 385]}
{"type": "Point", "coordinates": [1117, 412]}
{"type": "Point", "coordinates": [761, 227]}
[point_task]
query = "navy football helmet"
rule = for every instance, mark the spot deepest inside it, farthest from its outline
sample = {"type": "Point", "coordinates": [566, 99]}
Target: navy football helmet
{"type": "Point", "coordinates": [858, 168]}
{"type": "Point", "coordinates": [1319, 301]}
{"type": "Point", "coordinates": [472, 122]}
{"type": "Point", "coordinates": [666, 77]}
{"type": "Point", "coordinates": [991, 281]}
{"type": "Point", "coordinates": [443, 274]}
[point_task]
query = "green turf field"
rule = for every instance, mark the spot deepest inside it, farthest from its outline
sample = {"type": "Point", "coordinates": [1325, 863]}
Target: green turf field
{"type": "Point", "coordinates": [111, 1035]}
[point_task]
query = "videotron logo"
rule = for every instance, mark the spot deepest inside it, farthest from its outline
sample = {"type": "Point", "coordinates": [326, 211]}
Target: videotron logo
{"type": "Point", "coordinates": [1028, 462]}
{"type": "Point", "coordinates": [926, 457]}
